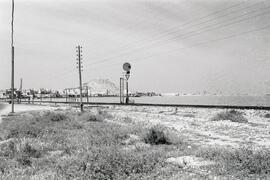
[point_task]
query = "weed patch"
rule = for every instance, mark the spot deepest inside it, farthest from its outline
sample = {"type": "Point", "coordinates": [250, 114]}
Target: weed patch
{"type": "Point", "coordinates": [159, 134]}
{"type": "Point", "coordinates": [232, 115]}
{"type": "Point", "coordinates": [24, 130]}
{"type": "Point", "coordinates": [56, 116]}
{"type": "Point", "coordinates": [267, 115]}
{"type": "Point", "coordinates": [88, 116]}
{"type": "Point", "coordinates": [242, 161]}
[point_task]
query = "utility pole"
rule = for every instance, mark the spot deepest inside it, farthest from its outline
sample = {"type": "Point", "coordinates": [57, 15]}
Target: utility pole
{"type": "Point", "coordinates": [66, 95]}
{"type": "Point", "coordinates": [12, 59]}
{"type": "Point", "coordinates": [87, 94]}
{"type": "Point", "coordinates": [20, 93]}
{"type": "Point", "coordinates": [79, 57]}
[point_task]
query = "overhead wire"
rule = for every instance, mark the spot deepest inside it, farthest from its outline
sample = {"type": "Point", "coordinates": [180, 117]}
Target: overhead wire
{"type": "Point", "coordinates": [207, 30]}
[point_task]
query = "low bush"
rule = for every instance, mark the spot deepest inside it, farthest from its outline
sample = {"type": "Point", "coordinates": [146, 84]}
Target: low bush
{"type": "Point", "coordinates": [104, 114]}
{"type": "Point", "coordinates": [267, 115]}
{"type": "Point", "coordinates": [232, 115]}
{"type": "Point", "coordinates": [88, 116]}
{"type": "Point", "coordinates": [57, 116]}
{"type": "Point", "coordinates": [243, 161]}
{"type": "Point", "coordinates": [7, 149]}
{"type": "Point", "coordinates": [24, 130]}
{"type": "Point", "coordinates": [24, 160]}
{"type": "Point", "coordinates": [157, 135]}
{"type": "Point", "coordinates": [29, 151]}
{"type": "Point", "coordinates": [189, 115]}
{"type": "Point", "coordinates": [111, 163]}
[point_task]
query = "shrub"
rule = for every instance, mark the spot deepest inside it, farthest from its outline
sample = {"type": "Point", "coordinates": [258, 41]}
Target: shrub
{"type": "Point", "coordinates": [24, 160]}
{"type": "Point", "coordinates": [7, 149]}
{"type": "Point", "coordinates": [87, 116]}
{"type": "Point", "coordinates": [25, 153]}
{"type": "Point", "coordinates": [267, 115]}
{"type": "Point", "coordinates": [57, 116]}
{"type": "Point", "coordinates": [24, 130]}
{"type": "Point", "coordinates": [110, 163]}
{"type": "Point", "coordinates": [157, 135]}
{"type": "Point", "coordinates": [29, 151]}
{"type": "Point", "coordinates": [189, 115]}
{"type": "Point", "coordinates": [245, 160]}
{"type": "Point", "coordinates": [105, 114]}
{"type": "Point", "coordinates": [113, 164]}
{"type": "Point", "coordinates": [232, 115]}
{"type": "Point", "coordinates": [127, 119]}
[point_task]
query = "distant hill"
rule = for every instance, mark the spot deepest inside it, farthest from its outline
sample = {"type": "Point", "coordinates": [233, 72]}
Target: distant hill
{"type": "Point", "coordinates": [102, 86]}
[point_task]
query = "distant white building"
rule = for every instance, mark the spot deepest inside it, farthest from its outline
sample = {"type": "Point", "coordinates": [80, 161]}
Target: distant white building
{"type": "Point", "coordinates": [169, 94]}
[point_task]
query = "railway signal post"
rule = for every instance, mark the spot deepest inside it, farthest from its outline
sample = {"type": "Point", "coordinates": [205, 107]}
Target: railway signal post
{"type": "Point", "coordinates": [127, 67]}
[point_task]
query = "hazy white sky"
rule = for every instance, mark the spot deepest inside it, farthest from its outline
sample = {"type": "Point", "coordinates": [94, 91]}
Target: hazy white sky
{"type": "Point", "coordinates": [173, 45]}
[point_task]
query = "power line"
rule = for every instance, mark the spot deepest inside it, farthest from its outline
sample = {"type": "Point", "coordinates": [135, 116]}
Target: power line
{"type": "Point", "coordinates": [207, 42]}
{"type": "Point", "coordinates": [187, 23]}
{"type": "Point", "coordinates": [194, 33]}
{"type": "Point", "coordinates": [224, 25]}
{"type": "Point", "coordinates": [196, 44]}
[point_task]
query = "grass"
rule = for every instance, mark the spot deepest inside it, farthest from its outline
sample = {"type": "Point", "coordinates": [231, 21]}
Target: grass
{"type": "Point", "coordinates": [242, 162]}
{"type": "Point", "coordinates": [231, 115]}
{"type": "Point", "coordinates": [71, 145]}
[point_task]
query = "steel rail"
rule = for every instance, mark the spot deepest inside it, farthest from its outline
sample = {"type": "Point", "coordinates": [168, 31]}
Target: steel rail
{"type": "Point", "coordinates": [154, 105]}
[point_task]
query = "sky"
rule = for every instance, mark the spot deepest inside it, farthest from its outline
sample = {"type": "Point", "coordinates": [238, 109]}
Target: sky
{"type": "Point", "coordinates": [183, 46]}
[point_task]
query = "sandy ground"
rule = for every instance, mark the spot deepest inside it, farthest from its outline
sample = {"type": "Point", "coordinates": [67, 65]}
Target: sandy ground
{"type": "Point", "coordinates": [193, 123]}
{"type": "Point", "coordinates": [197, 126]}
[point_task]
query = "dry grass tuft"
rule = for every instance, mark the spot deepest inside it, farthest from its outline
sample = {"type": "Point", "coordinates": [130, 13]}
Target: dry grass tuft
{"type": "Point", "coordinates": [159, 134]}
{"type": "Point", "coordinates": [89, 116]}
{"type": "Point", "coordinates": [232, 115]}
{"type": "Point", "coordinates": [267, 115]}
{"type": "Point", "coordinates": [242, 162]}
{"type": "Point", "coordinates": [56, 116]}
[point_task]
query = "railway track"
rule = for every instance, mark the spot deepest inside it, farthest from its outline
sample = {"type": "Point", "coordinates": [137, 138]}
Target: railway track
{"type": "Point", "coordinates": [148, 104]}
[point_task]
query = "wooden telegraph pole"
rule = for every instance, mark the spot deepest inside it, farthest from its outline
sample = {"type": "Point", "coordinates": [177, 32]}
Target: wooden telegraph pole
{"type": "Point", "coordinates": [12, 60]}
{"type": "Point", "coordinates": [87, 95]}
{"type": "Point", "coordinates": [20, 92]}
{"type": "Point", "coordinates": [79, 57]}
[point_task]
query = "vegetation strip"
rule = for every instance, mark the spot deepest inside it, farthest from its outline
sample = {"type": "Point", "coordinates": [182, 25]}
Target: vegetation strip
{"type": "Point", "coordinates": [67, 144]}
